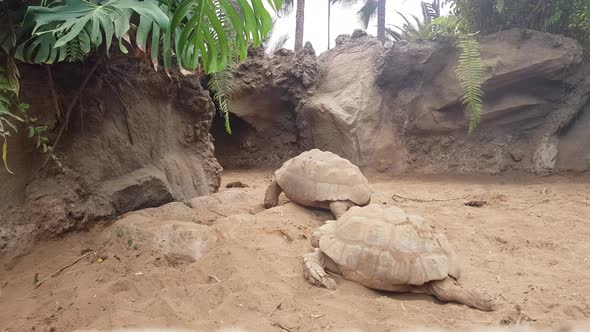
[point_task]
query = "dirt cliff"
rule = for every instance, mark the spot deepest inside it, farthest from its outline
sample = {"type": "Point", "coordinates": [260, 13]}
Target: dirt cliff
{"type": "Point", "coordinates": [137, 139]}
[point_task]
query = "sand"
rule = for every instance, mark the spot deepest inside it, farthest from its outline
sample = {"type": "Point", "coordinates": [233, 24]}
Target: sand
{"type": "Point", "coordinates": [528, 246]}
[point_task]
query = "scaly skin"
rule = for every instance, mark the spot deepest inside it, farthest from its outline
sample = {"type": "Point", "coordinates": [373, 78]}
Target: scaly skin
{"type": "Point", "coordinates": [271, 197]}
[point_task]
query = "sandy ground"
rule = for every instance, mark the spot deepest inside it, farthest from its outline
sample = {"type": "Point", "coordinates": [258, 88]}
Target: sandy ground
{"type": "Point", "coordinates": [528, 246]}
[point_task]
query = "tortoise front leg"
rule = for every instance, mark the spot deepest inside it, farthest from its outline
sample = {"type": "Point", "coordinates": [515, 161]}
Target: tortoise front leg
{"type": "Point", "coordinates": [314, 265]}
{"type": "Point", "coordinates": [271, 197]}
{"type": "Point", "coordinates": [338, 208]}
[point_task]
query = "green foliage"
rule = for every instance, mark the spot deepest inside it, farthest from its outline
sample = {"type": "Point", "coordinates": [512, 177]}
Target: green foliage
{"type": "Point", "coordinates": [72, 29]}
{"type": "Point", "coordinates": [431, 27]}
{"type": "Point", "coordinates": [413, 30]}
{"type": "Point", "coordinates": [471, 75]}
{"type": "Point", "coordinates": [213, 30]}
{"type": "Point", "coordinates": [221, 85]}
{"type": "Point", "coordinates": [566, 17]}
{"type": "Point", "coordinates": [196, 32]}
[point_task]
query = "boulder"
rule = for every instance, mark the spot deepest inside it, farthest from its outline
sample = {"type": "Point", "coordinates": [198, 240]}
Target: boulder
{"type": "Point", "coordinates": [208, 209]}
{"type": "Point", "coordinates": [180, 240]}
{"type": "Point", "coordinates": [346, 114]}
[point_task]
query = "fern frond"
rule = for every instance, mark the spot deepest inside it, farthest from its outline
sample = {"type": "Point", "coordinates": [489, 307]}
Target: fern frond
{"type": "Point", "coordinates": [471, 74]}
{"type": "Point", "coordinates": [77, 50]}
{"type": "Point", "coordinates": [220, 83]}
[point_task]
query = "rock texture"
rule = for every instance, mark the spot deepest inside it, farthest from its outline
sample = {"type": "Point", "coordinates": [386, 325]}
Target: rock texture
{"type": "Point", "coordinates": [180, 240]}
{"type": "Point", "coordinates": [207, 209]}
{"type": "Point", "coordinates": [266, 92]}
{"type": "Point", "coordinates": [398, 109]}
{"type": "Point", "coordinates": [138, 139]}
{"type": "Point", "coordinates": [346, 114]}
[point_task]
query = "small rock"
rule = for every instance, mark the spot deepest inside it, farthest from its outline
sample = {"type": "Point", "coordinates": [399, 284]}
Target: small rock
{"type": "Point", "coordinates": [236, 184]}
{"type": "Point", "coordinates": [476, 203]}
{"type": "Point", "coordinates": [517, 155]}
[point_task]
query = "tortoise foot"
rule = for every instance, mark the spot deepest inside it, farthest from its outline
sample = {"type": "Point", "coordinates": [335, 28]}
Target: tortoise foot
{"type": "Point", "coordinates": [313, 269]}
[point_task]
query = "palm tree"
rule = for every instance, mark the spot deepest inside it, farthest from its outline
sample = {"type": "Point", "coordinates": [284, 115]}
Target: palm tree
{"type": "Point", "coordinates": [381, 21]}
{"type": "Point", "coordinates": [299, 20]}
{"type": "Point", "coordinates": [370, 9]}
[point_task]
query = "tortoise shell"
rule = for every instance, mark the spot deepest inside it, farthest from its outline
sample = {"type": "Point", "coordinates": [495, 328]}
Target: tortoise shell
{"type": "Point", "coordinates": [322, 176]}
{"type": "Point", "coordinates": [382, 248]}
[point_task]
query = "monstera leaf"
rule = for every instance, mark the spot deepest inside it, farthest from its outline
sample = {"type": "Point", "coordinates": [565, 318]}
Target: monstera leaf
{"type": "Point", "coordinates": [207, 32]}
{"type": "Point", "coordinates": [72, 29]}
{"type": "Point", "coordinates": [213, 31]}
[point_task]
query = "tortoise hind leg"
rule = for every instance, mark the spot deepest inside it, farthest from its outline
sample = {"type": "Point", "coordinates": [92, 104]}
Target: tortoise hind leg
{"type": "Point", "coordinates": [271, 197]}
{"type": "Point", "coordinates": [448, 290]}
{"type": "Point", "coordinates": [314, 265]}
{"type": "Point", "coordinates": [338, 208]}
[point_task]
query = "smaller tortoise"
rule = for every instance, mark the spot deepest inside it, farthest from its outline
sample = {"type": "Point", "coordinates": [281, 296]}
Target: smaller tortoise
{"type": "Point", "coordinates": [320, 179]}
{"type": "Point", "coordinates": [389, 250]}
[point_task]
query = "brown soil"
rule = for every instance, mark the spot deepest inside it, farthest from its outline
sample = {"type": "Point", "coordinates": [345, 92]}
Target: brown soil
{"type": "Point", "coordinates": [528, 245]}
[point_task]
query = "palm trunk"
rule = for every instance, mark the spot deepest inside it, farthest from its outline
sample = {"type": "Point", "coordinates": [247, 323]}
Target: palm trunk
{"type": "Point", "coordinates": [381, 21]}
{"type": "Point", "coordinates": [299, 20]}
{"type": "Point", "coordinates": [329, 10]}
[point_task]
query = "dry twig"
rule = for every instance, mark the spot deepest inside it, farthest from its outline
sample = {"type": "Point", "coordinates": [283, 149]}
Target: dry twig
{"type": "Point", "coordinates": [60, 270]}
{"type": "Point", "coordinates": [396, 197]}
{"type": "Point", "coordinates": [281, 326]}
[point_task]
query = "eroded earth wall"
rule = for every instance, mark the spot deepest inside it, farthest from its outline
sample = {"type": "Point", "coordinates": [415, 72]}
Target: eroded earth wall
{"type": "Point", "coordinates": [137, 139]}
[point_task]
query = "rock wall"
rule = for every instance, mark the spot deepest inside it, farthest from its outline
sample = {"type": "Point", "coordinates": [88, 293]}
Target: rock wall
{"type": "Point", "coordinates": [266, 92]}
{"type": "Point", "coordinates": [398, 109]}
{"type": "Point", "coordinates": [137, 139]}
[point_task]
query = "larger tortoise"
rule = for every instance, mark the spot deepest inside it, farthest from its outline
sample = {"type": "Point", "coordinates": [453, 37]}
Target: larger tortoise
{"type": "Point", "coordinates": [389, 250]}
{"type": "Point", "coordinates": [320, 179]}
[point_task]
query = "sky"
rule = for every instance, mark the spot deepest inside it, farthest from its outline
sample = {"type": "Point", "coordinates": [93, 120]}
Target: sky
{"type": "Point", "coordinates": [343, 20]}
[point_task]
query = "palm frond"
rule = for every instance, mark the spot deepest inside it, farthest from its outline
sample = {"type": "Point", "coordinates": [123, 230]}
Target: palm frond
{"type": "Point", "coordinates": [287, 8]}
{"type": "Point", "coordinates": [396, 36]}
{"type": "Point", "coordinates": [345, 3]}
{"type": "Point", "coordinates": [471, 74]}
{"type": "Point", "coordinates": [430, 11]}
{"type": "Point", "coordinates": [279, 43]}
{"type": "Point", "coordinates": [367, 12]}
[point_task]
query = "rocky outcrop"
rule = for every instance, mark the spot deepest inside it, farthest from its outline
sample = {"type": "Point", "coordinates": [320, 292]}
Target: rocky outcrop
{"type": "Point", "coordinates": [266, 92]}
{"type": "Point", "coordinates": [346, 113]}
{"type": "Point", "coordinates": [398, 109]}
{"type": "Point", "coordinates": [138, 139]}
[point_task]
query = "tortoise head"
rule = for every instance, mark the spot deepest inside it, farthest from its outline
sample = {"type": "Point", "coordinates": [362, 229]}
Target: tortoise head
{"type": "Point", "coordinates": [317, 234]}
{"type": "Point", "coordinates": [315, 238]}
